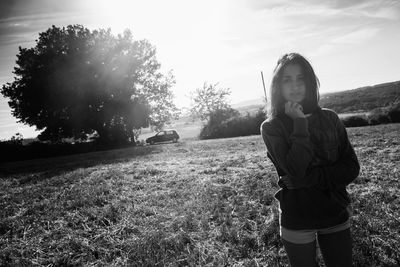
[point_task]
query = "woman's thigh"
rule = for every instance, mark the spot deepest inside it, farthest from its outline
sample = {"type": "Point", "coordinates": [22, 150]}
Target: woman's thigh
{"type": "Point", "coordinates": [336, 248]}
{"type": "Point", "coordinates": [301, 254]}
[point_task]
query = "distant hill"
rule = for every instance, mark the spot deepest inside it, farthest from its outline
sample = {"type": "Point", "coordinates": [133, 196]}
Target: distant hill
{"type": "Point", "coordinates": [247, 103]}
{"type": "Point", "coordinates": [249, 106]}
{"type": "Point", "coordinates": [362, 99]}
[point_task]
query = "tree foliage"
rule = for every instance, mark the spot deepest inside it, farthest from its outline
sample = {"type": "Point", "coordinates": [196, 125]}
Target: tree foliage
{"type": "Point", "coordinates": [209, 100]}
{"type": "Point", "coordinates": [76, 82]}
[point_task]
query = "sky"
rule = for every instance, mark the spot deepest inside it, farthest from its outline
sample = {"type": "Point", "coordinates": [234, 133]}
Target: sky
{"type": "Point", "coordinates": [350, 44]}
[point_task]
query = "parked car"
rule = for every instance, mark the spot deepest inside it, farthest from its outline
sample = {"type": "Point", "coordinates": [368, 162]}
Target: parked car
{"type": "Point", "coordinates": [163, 136]}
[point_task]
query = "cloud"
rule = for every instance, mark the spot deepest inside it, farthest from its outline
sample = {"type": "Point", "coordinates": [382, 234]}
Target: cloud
{"type": "Point", "coordinates": [7, 125]}
{"type": "Point", "coordinates": [18, 8]}
{"type": "Point", "coordinates": [320, 27]}
{"type": "Point", "coordinates": [378, 9]}
{"type": "Point", "coordinates": [387, 13]}
{"type": "Point", "coordinates": [357, 36]}
{"type": "Point", "coordinates": [342, 4]}
{"type": "Point", "coordinates": [15, 40]}
{"type": "Point", "coordinates": [26, 131]}
{"type": "Point", "coordinates": [322, 50]}
{"type": "Point", "coordinates": [6, 119]}
{"type": "Point", "coordinates": [24, 29]}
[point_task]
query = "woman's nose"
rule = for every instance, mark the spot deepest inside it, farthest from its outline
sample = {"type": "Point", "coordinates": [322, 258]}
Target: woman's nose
{"type": "Point", "coordinates": [296, 86]}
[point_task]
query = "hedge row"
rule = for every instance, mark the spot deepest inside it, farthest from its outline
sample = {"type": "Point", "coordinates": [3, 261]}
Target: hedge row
{"type": "Point", "coordinates": [375, 117]}
{"type": "Point", "coordinates": [250, 125]}
{"type": "Point", "coordinates": [234, 126]}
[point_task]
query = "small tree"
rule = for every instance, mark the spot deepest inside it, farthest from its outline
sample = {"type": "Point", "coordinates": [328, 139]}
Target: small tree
{"type": "Point", "coordinates": [209, 100]}
{"type": "Point", "coordinates": [17, 139]}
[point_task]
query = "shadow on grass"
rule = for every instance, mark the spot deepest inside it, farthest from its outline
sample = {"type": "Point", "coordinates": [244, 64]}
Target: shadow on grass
{"type": "Point", "coordinates": [39, 169]}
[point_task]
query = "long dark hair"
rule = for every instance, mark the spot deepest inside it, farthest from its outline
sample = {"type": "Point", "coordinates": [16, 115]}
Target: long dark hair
{"type": "Point", "coordinates": [276, 101]}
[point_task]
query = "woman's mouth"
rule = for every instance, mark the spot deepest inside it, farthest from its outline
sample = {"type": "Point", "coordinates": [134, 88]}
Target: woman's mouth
{"type": "Point", "coordinates": [297, 95]}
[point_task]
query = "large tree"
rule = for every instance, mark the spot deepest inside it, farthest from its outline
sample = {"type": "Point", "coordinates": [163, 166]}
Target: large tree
{"type": "Point", "coordinates": [76, 82]}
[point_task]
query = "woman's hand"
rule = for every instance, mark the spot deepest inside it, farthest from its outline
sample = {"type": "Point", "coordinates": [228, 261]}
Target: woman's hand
{"type": "Point", "coordinates": [293, 183]}
{"type": "Point", "coordinates": [294, 110]}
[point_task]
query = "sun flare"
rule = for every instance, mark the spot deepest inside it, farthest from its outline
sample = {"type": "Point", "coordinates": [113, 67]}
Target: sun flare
{"type": "Point", "coordinates": [182, 31]}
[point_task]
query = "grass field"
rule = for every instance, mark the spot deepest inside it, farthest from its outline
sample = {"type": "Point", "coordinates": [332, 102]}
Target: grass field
{"type": "Point", "coordinates": [196, 203]}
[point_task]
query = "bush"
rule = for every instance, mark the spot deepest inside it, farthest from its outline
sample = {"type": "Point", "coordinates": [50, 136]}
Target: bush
{"type": "Point", "coordinates": [378, 117]}
{"type": "Point", "coordinates": [213, 127]}
{"type": "Point", "coordinates": [233, 126]}
{"type": "Point", "coordinates": [383, 115]}
{"type": "Point", "coordinates": [354, 121]}
{"type": "Point", "coordinates": [394, 112]}
{"type": "Point", "coordinates": [394, 115]}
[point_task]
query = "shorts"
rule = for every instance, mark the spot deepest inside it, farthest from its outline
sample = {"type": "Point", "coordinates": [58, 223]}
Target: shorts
{"type": "Point", "coordinates": [308, 236]}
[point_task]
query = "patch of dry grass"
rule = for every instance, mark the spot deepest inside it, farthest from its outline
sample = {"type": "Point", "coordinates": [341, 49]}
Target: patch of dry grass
{"type": "Point", "coordinates": [196, 203]}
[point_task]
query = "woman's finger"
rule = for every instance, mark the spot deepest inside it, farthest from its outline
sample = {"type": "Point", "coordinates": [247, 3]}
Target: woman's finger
{"type": "Point", "coordinates": [298, 106]}
{"type": "Point", "coordinates": [289, 105]}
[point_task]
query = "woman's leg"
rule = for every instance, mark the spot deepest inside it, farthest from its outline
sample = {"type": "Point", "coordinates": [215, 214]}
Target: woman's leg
{"type": "Point", "coordinates": [301, 254]}
{"type": "Point", "coordinates": [336, 248]}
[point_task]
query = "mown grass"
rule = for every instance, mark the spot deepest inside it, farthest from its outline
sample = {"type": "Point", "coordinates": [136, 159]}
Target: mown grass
{"type": "Point", "coordinates": [194, 203]}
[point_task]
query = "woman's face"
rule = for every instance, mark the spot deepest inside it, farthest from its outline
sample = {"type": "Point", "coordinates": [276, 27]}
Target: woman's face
{"type": "Point", "coordinates": [293, 86]}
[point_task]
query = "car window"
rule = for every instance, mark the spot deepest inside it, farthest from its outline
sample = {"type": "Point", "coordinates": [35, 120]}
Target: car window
{"type": "Point", "coordinates": [170, 132]}
{"type": "Point", "coordinates": [160, 133]}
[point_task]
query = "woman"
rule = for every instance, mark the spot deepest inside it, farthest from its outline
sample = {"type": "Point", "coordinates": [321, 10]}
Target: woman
{"type": "Point", "coordinates": [315, 162]}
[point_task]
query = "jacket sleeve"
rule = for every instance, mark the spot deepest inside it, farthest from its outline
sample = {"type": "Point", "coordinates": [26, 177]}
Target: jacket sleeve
{"type": "Point", "coordinates": [292, 159]}
{"type": "Point", "coordinates": [343, 171]}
